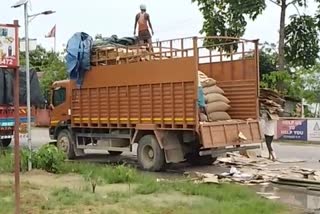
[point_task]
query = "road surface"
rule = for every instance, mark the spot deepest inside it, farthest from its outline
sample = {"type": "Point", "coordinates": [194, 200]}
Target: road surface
{"type": "Point", "coordinates": [287, 152]}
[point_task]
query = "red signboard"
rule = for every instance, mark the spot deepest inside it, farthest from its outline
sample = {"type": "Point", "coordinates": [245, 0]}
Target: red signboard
{"type": "Point", "coordinates": [9, 46]}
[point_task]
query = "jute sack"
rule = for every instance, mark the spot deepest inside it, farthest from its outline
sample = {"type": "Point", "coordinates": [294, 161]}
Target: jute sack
{"type": "Point", "coordinates": [203, 117]}
{"type": "Point", "coordinates": [216, 97]}
{"type": "Point", "coordinates": [208, 82]}
{"type": "Point", "coordinates": [219, 116]}
{"type": "Point", "coordinates": [213, 90]}
{"type": "Point", "coordinates": [202, 76]}
{"type": "Point", "coordinates": [217, 107]}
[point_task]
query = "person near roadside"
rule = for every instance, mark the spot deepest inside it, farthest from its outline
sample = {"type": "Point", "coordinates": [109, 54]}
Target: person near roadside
{"type": "Point", "coordinates": [269, 125]}
{"type": "Point", "coordinates": [142, 19]}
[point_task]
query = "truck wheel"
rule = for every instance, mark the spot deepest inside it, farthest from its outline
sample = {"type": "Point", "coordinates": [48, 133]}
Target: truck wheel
{"type": "Point", "coordinates": [65, 144]}
{"type": "Point", "coordinates": [150, 155]}
{"type": "Point", "coordinates": [5, 142]}
{"type": "Point", "coordinates": [114, 153]}
{"type": "Point", "coordinates": [197, 160]}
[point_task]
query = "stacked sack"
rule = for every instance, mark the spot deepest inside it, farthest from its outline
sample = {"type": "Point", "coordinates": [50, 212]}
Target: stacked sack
{"type": "Point", "coordinates": [217, 104]}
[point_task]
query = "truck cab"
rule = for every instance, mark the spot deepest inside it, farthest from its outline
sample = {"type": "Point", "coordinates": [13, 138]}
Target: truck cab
{"type": "Point", "coordinates": [60, 105]}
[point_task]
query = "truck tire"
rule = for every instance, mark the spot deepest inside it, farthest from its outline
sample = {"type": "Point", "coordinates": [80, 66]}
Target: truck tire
{"type": "Point", "coordinates": [150, 155]}
{"type": "Point", "coordinates": [197, 160]}
{"type": "Point", "coordinates": [65, 143]}
{"type": "Point", "coordinates": [5, 142]}
{"type": "Point", "coordinates": [114, 153]}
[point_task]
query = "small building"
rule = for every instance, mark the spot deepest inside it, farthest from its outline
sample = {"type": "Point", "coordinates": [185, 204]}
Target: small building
{"type": "Point", "coordinates": [290, 107]}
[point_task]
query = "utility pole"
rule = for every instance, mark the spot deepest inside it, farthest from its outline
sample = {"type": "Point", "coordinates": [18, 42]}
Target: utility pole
{"type": "Point", "coordinates": [26, 24]}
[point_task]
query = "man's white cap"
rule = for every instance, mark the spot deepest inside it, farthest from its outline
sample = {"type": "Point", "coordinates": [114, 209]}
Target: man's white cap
{"type": "Point", "coordinates": [143, 7]}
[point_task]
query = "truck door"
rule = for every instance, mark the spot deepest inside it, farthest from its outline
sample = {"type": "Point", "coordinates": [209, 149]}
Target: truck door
{"type": "Point", "coordinates": [60, 106]}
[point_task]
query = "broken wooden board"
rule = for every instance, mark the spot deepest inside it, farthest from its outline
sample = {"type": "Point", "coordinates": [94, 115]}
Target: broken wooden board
{"type": "Point", "coordinates": [199, 177]}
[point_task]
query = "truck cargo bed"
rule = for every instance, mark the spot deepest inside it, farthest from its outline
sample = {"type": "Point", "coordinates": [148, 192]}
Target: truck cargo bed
{"type": "Point", "coordinates": [164, 91]}
{"type": "Point", "coordinates": [158, 92]}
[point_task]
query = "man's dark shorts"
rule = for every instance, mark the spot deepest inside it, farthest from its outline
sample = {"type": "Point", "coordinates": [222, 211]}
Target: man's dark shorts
{"type": "Point", "coordinates": [144, 36]}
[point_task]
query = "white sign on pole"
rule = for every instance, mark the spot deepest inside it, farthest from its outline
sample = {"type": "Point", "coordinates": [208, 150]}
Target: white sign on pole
{"type": "Point", "coordinates": [314, 130]}
{"type": "Point", "coordinates": [32, 44]}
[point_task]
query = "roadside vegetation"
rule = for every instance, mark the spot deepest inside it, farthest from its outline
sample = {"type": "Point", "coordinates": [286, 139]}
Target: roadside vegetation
{"type": "Point", "coordinates": [59, 186]}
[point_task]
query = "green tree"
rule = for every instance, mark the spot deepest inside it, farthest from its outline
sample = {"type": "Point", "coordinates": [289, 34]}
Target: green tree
{"type": "Point", "coordinates": [302, 43]}
{"type": "Point", "coordinates": [300, 83]}
{"type": "Point", "coordinates": [228, 18]}
{"type": "Point", "coordinates": [311, 83]}
{"type": "Point", "coordinates": [54, 71]}
{"type": "Point", "coordinates": [284, 83]}
{"type": "Point", "coordinates": [39, 58]}
{"type": "Point", "coordinates": [48, 62]}
{"type": "Point", "coordinates": [267, 59]}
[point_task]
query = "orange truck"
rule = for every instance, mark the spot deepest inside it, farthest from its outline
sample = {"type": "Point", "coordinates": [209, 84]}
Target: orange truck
{"type": "Point", "coordinates": [152, 102]}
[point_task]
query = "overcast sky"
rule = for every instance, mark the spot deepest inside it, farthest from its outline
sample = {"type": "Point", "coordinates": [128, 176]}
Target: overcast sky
{"type": "Point", "coordinates": [170, 19]}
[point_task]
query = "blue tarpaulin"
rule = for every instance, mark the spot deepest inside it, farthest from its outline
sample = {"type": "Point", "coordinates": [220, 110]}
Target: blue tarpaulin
{"type": "Point", "coordinates": [78, 56]}
{"type": "Point", "coordinates": [201, 97]}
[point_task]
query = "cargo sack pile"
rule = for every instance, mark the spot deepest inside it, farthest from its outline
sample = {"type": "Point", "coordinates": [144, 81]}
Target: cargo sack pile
{"type": "Point", "coordinates": [217, 104]}
{"type": "Point", "coordinates": [113, 50]}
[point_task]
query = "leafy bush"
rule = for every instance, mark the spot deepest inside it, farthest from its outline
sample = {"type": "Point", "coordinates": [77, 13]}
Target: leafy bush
{"type": "Point", "coordinates": [48, 158]}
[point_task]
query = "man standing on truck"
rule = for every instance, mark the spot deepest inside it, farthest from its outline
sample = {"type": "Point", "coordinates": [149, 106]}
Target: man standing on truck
{"type": "Point", "coordinates": [143, 21]}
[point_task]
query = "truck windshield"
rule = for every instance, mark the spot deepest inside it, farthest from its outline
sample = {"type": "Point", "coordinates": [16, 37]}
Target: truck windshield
{"type": "Point", "coordinates": [59, 96]}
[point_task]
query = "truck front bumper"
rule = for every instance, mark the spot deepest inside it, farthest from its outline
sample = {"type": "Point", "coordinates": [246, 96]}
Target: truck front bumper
{"type": "Point", "coordinates": [6, 132]}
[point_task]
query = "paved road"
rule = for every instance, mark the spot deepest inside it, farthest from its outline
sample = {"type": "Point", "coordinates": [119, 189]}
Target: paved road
{"type": "Point", "coordinates": [308, 152]}
{"type": "Point", "coordinates": [39, 137]}
{"type": "Point", "coordinates": [286, 152]}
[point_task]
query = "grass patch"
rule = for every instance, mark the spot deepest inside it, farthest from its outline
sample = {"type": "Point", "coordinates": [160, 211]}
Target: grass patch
{"type": "Point", "coordinates": [116, 197]}
{"type": "Point", "coordinates": [6, 200]}
{"type": "Point", "coordinates": [6, 162]}
{"type": "Point", "coordinates": [228, 198]}
{"type": "Point", "coordinates": [50, 159]}
{"type": "Point", "coordinates": [103, 174]}
{"type": "Point", "coordinates": [149, 187]}
{"type": "Point", "coordinates": [224, 198]}
{"type": "Point", "coordinates": [67, 197]}
{"type": "Point", "coordinates": [146, 196]}
{"type": "Point", "coordinates": [64, 198]}
{"type": "Point", "coordinates": [149, 197]}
